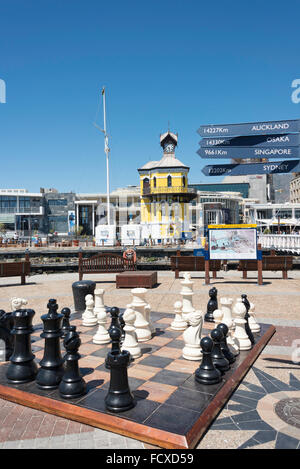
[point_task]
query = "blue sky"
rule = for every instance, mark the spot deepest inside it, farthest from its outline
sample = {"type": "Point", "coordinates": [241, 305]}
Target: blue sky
{"type": "Point", "coordinates": [187, 62]}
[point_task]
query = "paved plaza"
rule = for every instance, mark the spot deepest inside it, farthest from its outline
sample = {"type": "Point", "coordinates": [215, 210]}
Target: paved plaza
{"type": "Point", "coordinates": [263, 412]}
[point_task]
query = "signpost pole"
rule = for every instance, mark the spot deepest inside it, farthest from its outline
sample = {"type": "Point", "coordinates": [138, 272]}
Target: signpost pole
{"type": "Point", "coordinates": [259, 265]}
{"type": "Point", "coordinates": [206, 264]}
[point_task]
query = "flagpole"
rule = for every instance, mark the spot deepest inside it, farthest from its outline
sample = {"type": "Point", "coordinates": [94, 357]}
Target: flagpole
{"type": "Point", "coordinates": [106, 150]}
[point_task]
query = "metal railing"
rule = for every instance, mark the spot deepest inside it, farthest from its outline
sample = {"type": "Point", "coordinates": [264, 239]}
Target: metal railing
{"type": "Point", "coordinates": [167, 190]}
{"type": "Point", "coordinates": [284, 242]}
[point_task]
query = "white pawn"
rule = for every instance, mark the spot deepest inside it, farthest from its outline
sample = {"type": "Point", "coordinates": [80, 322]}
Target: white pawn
{"type": "Point", "coordinates": [187, 295]}
{"type": "Point", "coordinates": [99, 302]}
{"type": "Point", "coordinates": [253, 324]}
{"type": "Point", "coordinates": [226, 305]}
{"type": "Point", "coordinates": [101, 336]}
{"type": "Point", "coordinates": [141, 324]}
{"type": "Point", "coordinates": [240, 333]}
{"type": "Point", "coordinates": [218, 315]}
{"type": "Point", "coordinates": [179, 324]}
{"type": "Point", "coordinates": [88, 317]}
{"type": "Point", "coordinates": [192, 336]}
{"type": "Point", "coordinates": [130, 342]}
{"type": "Point", "coordinates": [17, 303]}
{"type": "Point", "coordinates": [148, 318]}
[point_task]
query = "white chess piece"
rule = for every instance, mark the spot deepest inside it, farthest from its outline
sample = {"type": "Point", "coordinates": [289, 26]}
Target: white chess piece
{"type": "Point", "coordinates": [88, 317]}
{"type": "Point", "coordinates": [101, 336]}
{"type": "Point", "coordinates": [240, 333]}
{"type": "Point", "coordinates": [218, 315]}
{"type": "Point", "coordinates": [18, 303]}
{"type": "Point", "coordinates": [192, 336]}
{"type": "Point", "coordinates": [148, 318]}
{"type": "Point", "coordinates": [99, 302]}
{"type": "Point", "coordinates": [141, 325]}
{"type": "Point", "coordinates": [187, 295]}
{"type": "Point", "coordinates": [179, 324]}
{"type": "Point", "coordinates": [226, 305]}
{"type": "Point", "coordinates": [253, 324]}
{"type": "Point", "coordinates": [130, 342]}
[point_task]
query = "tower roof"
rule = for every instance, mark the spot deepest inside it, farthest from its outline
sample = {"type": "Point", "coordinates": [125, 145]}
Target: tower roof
{"type": "Point", "coordinates": [168, 136]}
{"type": "Point", "coordinates": [167, 161]}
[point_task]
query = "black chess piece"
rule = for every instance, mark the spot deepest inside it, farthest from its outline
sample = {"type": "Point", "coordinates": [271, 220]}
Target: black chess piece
{"type": "Point", "coordinates": [212, 305]}
{"type": "Point", "coordinates": [217, 355]}
{"type": "Point", "coordinates": [114, 312]}
{"type": "Point", "coordinates": [207, 373]}
{"type": "Point", "coordinates": [66, 312]}
{"type": "Point", "coordinates": [119, 397]}
{"type": "Point", "coordinates": [115, 324]}
{"type": "Point", "coordinates": [122, 325]}
{"type": "Point", "coordinates": [224, 346]}
{"type": "Point", "coordinates": [22, 367]}
{"type": "Point", "coordinates": [246, 317]}
{"type": "Point", "coordinates": [72, 384]}
{"type": "Point", "coordinates": [51, 365]}
{"type": "Point", "coordinates": [6, 325]}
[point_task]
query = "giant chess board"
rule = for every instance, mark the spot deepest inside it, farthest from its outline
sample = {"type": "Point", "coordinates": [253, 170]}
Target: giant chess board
{"type": "Point", "coordinates": [171, 409]}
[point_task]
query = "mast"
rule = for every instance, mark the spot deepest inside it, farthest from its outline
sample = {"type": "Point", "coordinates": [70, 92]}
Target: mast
{"type": "Point", "coordinates": [106, 150]}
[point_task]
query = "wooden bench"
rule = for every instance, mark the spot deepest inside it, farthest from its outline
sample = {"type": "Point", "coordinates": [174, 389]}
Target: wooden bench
{"type": "Point", "coordinates": [274, 263]}
{"type": "Point", "coordinates": [13, 269]}
{"type": "Point", "coordinates": [104, 264]}
{"type": "Point", "coordinates": [194, 264]}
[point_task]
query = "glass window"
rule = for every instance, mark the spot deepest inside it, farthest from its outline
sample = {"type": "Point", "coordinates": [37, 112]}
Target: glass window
{"type": "Point", "coordinates": [169, 181]}
{"type": "Point", "coordinates": [183, 181]}
{"type": "Point", "coordinates": [57, 202]}
{"type": "Point", "coordinates": [154, 181]}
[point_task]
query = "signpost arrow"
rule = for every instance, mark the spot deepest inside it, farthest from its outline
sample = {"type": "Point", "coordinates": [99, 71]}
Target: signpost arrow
{"type": "Point", "coordinates": [283, 140]}
{"type": "Point", "coordinates": [252, 168]}
{"type": "Point", "coordinates": [249, 152]}
{"type": "Point", "coordinates": [251, 128]}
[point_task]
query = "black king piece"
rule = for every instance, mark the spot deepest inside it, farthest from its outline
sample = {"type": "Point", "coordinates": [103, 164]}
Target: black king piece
{"type": "Point", "coordinates": [119, 397]}
{"type": "Point", "coordinates": [51, 365]}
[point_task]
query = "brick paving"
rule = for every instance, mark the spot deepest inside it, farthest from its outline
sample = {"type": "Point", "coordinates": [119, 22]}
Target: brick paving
{"type": "Point", "coordinates": [247, 420]}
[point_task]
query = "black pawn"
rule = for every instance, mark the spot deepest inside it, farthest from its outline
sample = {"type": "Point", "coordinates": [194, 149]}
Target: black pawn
{"type": "Point", "coordinates": [66, 312]}
{"type": "Point", "coordinates": [207, 373]}
{"type": "Point", "coordinates": [51, 365]}
{"type": "Point", "coordinates": [246, 317]}
{"type": "Point", "coordinates": [224, 346]}
{"type": "Point", "coordinates": [72, 384]}
{"type": "Point", "coordinates": [22, 368]}
{"type": "Point", "coordinates": [119, 397]}
{"type": "Point", "coordinates": [217, 356]}
{"type": "Point", "coordinates": [212, 305]}
{"type": "Point", "coordinates": [114, 312]}
{"type": "Point", "coordinates": [6, 325]}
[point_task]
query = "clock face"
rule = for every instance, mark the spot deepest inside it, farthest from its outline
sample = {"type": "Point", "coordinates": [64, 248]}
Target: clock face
{"type": "Point", "coordinates": [169, 148]}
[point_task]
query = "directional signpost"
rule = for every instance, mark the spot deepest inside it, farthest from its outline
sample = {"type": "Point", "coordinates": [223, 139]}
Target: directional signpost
{"type": "Point", "coordinates": [249, 152]}
{"type": "Point", "coordinates": [253, 168]}
{"type": "Point", "coordinates": [252, 128]}
{"type": "Point", "coordinates": [254, 140]}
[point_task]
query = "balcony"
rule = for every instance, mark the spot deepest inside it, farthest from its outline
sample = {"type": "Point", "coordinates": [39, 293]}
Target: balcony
{"type": "Point", "coordinates": [173, 190]}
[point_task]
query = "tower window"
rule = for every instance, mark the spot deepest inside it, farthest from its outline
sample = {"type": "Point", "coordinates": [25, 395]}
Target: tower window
{"type": "Point", "coordinates": [183, 181]}
{"type": "Point", "coordinates": [154, 181]}
{"type": "Point", "coordinates": [169, 181]}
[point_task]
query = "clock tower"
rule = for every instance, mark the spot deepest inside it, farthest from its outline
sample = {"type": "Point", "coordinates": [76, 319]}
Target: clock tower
{"type": "Point", "coordinates": [165, 194]}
